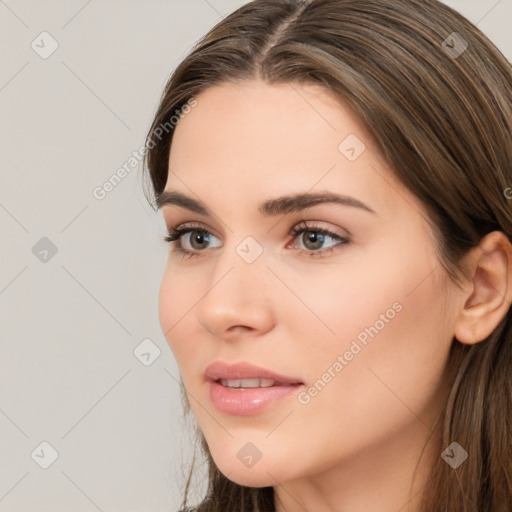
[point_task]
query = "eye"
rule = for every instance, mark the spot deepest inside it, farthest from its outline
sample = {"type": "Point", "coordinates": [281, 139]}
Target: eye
{"type": "Point", "coordinates": [312, 244]}
{"type": "Point", "coordinates": [200, 236]}
{"type": "Point", "coordinates": [313, 238]}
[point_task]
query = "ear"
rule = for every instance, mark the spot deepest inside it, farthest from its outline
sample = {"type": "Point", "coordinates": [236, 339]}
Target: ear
{"type": "Point", "coordinates": [490, 292]}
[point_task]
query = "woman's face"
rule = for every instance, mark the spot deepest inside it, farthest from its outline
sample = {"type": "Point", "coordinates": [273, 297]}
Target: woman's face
{"type": "Point", "coordinates": [357, 319]}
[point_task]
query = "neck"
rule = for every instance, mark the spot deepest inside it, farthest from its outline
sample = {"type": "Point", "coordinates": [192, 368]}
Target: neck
{"type": "Point", "coordinates": [388, 478]}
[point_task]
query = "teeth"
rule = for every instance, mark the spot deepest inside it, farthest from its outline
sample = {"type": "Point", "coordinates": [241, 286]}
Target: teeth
{"type": "Point", "coordinates": [247, 383]}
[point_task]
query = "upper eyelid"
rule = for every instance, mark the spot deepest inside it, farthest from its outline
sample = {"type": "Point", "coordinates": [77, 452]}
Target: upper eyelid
{"type": "Point", "coordinates": [192, 226]}
{"type": "Point", "coordinates": [302, 223]}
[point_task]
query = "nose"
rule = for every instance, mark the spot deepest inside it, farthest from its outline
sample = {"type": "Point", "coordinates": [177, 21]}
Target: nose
{"type": "Point", "coordinates": [237, 301]}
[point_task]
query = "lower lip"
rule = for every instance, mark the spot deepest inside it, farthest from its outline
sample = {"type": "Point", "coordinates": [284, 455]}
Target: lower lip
{"type": "Point", "coordinates": [245, 402]}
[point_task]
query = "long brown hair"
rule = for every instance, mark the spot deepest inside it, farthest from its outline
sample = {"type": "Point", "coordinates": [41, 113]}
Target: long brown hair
{"type": "Point", "coordinates": [437, 96]}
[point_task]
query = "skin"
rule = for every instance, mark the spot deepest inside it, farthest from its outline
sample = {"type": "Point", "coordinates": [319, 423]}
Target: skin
{"type": "Point", "coordinates": [356, 444]}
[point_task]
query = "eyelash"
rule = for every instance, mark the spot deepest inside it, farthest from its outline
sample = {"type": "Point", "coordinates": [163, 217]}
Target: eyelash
{"type": "Point", "coordinates": [176, 235]}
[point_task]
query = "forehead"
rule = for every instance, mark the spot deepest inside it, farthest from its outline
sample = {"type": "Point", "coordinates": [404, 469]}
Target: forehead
{"type": "Point", "coordinates": [295, 112]}
{"type": "Point", "coordinates": [258, 140]}
{"type": "Point", "coordinates": [268, 123]}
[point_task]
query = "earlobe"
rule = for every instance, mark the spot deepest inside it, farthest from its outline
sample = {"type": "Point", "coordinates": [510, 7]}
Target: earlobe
{"type": "Point", "coordinates": [490, 295]}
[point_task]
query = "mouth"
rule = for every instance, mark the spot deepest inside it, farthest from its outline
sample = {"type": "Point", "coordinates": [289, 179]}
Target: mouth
{"type": "Point", "coordinates": [243, 389]}
{"type": "Point", "coordinates": [253, 383]}
{"type": "Point", "coordinates": [246, 375]}
{"type": "Point", "coordinates": [247, 397]}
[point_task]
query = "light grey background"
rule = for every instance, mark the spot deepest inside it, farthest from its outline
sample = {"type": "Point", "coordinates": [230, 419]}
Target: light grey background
{"type": "Point", "coordinates": [69, 324]}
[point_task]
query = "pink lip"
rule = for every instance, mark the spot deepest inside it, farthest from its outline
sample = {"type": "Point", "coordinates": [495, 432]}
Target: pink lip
{"type": "Point", "coordinates": [245, 402]}
{"type": "Point", "coordinates": [219, 370]}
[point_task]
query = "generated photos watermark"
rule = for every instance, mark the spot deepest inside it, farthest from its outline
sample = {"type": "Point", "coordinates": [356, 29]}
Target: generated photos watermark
{"type": "Point", "coordinates": [101, 191]}
{"type": "Point", "coordinates": [304, 397]}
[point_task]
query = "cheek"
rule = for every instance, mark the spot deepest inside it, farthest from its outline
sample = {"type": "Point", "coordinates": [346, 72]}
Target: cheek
{"type": "Point", "coordinates": [393, 346]}
{"type": "Point", "coordinates": [385, 319]}
{"type": "Point", "coordinates": [175, 302]}
{"type": "Point", "coordinates": [370, 286]}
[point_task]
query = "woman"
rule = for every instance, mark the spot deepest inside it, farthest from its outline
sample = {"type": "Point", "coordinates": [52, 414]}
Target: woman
{"type": "Point", "coordinates": [337, 292]}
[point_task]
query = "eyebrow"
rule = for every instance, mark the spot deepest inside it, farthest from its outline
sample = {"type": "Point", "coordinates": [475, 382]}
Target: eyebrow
{"type": "Point", "coordinates": [278, 206]}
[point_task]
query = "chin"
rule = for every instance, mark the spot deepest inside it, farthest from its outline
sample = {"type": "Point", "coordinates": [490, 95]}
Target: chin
{"type": "Point", "coordinates": [249, 477]}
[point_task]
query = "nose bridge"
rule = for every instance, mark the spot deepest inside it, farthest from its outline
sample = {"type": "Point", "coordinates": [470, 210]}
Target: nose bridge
{"type": "Point", "coordinates": [240, 269]}
{"type": "Point", "coordinates": [237, 294]}
{"type": "Point", "coordinates": [242, 257]}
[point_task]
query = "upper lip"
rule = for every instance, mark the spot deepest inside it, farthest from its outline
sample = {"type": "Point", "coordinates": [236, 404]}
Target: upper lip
{"type": "Point", "coordinates": [243, 370]}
